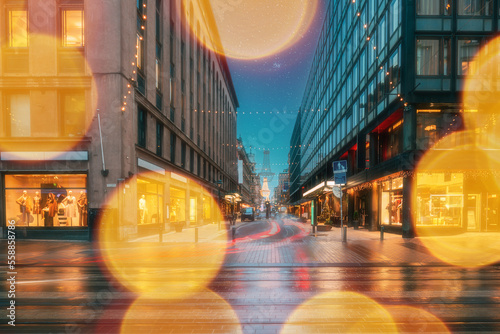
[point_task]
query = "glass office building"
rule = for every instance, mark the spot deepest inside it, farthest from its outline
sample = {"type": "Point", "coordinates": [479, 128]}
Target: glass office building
{"type": "Point", "coordinates": [385, 85]}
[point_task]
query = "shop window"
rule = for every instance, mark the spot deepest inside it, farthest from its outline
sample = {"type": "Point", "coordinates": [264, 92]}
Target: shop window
{"type": "Point", "coordinates": [73, 114]}
{"type": "Point", "coordinates": [46, 200]}
{"type": "Point", "coordinates": [177, 205]}
{"type": "Point", "coordinates": [150, 202]}
{"type": "Point", "coordinates": [392, 202]}
{"type": "Point", "coordinates": [440, 199]}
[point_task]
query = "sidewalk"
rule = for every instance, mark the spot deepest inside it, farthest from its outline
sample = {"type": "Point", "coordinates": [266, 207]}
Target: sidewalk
{"type": "Point", "coordinates": [208, 232]}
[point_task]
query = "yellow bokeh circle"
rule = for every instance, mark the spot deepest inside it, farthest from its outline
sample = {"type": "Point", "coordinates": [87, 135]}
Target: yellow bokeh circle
{"type": "Point", "coordinates": [441, 229]}
{"type": "Point", "coordinates": [416, 320]}
{"type": "Point", "coordinates": [340, 312]}
{"type": "Point", "coordinates": [49, 100]}
{"type": "Point", "coordinates": [249, 29]}
{"type": "Point", "coordinates": [482, 88]}
{"type": "Point", "coordinates": [150, 314]}
{"type": "Point", "coordinates": [179, 265]}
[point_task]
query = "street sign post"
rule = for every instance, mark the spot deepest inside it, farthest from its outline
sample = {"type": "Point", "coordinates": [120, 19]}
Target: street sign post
{"type": "Point", "coordinates": [340, 178]}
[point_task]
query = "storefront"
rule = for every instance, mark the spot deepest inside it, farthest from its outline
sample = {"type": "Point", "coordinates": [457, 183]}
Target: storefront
{"type": "Point", "coordinates": [177, 205]}
{"type": "Point", "coordinates": [150, 205]}
{"type": "Point", "coordinates": [391, 197]}
{"type": "Point", "coordinates": [42, 204]}
{"type": "Point", "coordinates": [465, 201]}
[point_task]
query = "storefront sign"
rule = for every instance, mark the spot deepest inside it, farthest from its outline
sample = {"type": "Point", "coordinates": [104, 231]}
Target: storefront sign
{"type": "Point", "coordinates": [152, 167]}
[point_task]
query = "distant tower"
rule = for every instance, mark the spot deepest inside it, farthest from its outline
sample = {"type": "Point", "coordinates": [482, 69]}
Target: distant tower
{"type": "Point", "coordinates": [266, 168]}
{"type": "Point", "coordinates": [265, 192]}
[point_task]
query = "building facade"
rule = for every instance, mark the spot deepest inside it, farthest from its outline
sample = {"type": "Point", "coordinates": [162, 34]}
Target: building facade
{"type": "Point", "coordinates": [385, 85]}
{"type": "Point", "coordinates": [245, 171]}
{"type": "Point", "coordinates": [108, 98]}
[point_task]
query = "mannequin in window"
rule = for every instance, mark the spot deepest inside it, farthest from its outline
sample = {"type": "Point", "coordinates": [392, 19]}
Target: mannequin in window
{"type": "Point", "coordinates": [70, 205]}
{"type": "Point", "coordinates": [82, 209]}
{"type": "Point", "coordinates": [50, 210]}
{"type": "Point", "coordinates": [37, 206]}
{"type": "Point", "coordinates": [142, 209]}
{"type": "Point", "coordinates": [24, 207]}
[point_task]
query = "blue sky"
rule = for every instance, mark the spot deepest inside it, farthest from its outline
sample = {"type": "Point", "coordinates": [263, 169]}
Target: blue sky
{"type": "Point", "coordinates": [270, 91]}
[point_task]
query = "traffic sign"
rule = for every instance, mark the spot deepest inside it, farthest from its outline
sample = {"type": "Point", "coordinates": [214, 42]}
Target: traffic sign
{"type": "Point", "coordinates": [337, 192]}
{"type": "Point", "coordinates": [339, 171]}
{"type": "Point", "coordinates": [340, 178]}
{"type": "Point", "coordinates": [340, 166]}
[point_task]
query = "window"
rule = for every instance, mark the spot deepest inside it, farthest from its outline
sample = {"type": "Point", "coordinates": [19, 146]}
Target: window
{"type": "Point", "coordinates": [17, 28]}
{"type": "Point", "coordinates": [141, 128]}
{"type": "Point", "coordinates": [46, 200]}
{"type": "Point", "coordinates": [72, 28]}
{"type": "Point", "coordinates": [183, 154]}
{"type": "Point", "coordinates": [381, 85]}
{"type": "Point", "coordinates": [427, 57]}
{"type": "Point", "coordinates": [20, 115]}
{"type": "Point", "coordinates": [371, 96]}
{"type": "Point", "coordinates": [467, 49]}
{"type": "Point", "coordinates": [381, 31]}
{"type": "Point", "coordinates": [139, 54]}
{"type": "Point", "coordinates": [73, 114]}
{"type": "Point", "coordinates": [173, 144]}
{"type": "Point", "coordinates": [191, 160]}
{"type": "Point", "coordinates": [428, 7]}
{"type": "Point", "coordinates": [159, 138]}
{"type": "Point", "coordinates": [475, 7]}
{"type": "Point", "coordinates": [394, 70]}
{"type": "Point", "coordinates": [395, 17]}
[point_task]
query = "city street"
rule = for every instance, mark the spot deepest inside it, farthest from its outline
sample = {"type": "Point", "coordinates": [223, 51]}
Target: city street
{"type": "Point", "coordinates": [275, 278]}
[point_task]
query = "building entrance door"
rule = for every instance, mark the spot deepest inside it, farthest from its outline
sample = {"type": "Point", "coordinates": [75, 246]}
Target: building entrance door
{"type": "Point", "coordinates": [492, 223]}
{"type": "Point", "coordinates": [473, 212]}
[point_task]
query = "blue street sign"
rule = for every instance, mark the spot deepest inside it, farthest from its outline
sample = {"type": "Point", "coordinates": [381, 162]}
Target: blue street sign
{"type": "Point", "coordinates": [339, 172]}
{"type": "Point", "coordinates": [340, 166]}
{"type": "Point", "coordinates": [340, 178]}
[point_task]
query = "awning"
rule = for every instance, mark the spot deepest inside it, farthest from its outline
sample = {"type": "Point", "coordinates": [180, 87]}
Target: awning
{"type": "Point", "coordinates": [319, 189]}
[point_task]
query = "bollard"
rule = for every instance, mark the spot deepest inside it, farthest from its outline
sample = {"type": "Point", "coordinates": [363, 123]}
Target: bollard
{"type": "Point", "coordinates": [233, 232]}
{"type": "Point", "coordinates": [344, 234]}
{"type": "Point", "coordinates": [381, 233]}
{"type": "Point", "coordinates": [196, 234]}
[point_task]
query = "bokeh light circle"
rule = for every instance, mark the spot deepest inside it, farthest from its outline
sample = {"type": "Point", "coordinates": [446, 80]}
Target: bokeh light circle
{"type": "Point", "coordinates": [178, 266]}
{"type": "Point", "coordinates": [412, 319]}
{"type": "Point", "coordinates": [456, 156]}
{"type": "Point", "coordinates": [340, 312]}
{"type": "Point", "coordinates": [482, 88]}
{"type": "Point", "coordinates": [150, 314]}
{"type": "Point", "coordinates": [249, 29]}
{"type": "Point", "coordinates": [51, 113]}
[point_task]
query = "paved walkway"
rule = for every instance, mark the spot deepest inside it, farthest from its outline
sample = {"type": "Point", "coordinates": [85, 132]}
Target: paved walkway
{"type": "Point", "coordinates": [293, 246]}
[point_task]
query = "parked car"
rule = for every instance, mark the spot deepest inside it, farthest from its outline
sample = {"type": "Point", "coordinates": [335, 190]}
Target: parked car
{"type": "Point", "coordinates": [248, 213]}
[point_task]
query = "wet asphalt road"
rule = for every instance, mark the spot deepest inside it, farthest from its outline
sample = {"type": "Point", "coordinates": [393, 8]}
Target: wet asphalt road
{"type": "Point", "coordinates": [275, 278]}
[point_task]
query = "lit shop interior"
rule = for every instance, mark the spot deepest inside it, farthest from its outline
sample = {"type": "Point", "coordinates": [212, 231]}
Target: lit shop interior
{"type": "Point", "coordinates": [46, 200]}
